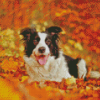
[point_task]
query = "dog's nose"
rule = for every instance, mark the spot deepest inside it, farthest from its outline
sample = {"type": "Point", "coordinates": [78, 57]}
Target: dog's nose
{"type": "Point", "coordinates": [42, 49]}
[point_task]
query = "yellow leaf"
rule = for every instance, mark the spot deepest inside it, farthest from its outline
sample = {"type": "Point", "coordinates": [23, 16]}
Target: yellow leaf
{"type": "Point", "coordinates": [87, 88]}
{"type": "Point", "coordinates": [43, 28]}
{"type": "Point", "coordinates": [82, 90]}
{"type": "Point", "coordinates": [63, 32]}
{"type": "Point", "coordinates": [9, 32]}
{"type": "Point", "coordinates": [62, 12]}
{"type": "Point", "coordinates": [71, 80]}
{"type": "Point", "coordinates": [17, 55]}
{"type": "Point", "coordinates": [48, 88]}
{"type": "Point", "coordinates": [24, 78]}
{"type": "Point", "coordinates": [4, 43]}
{"type": "Point", "coordinates": [58, 14]}
{"type": "Point", "coordinates": [68, 50]}
{"type": "Point", "coordinates": [21, 48]}
{"type": "Point", "coordinates": [12, 44]}
{"type": "Point", "coordinates": [8, 52]}
{"type": "Point", "coordinates": [78, 46]}
{"type": "Point", "coordinates": [11, 38]}
{"type": "Point", "coordinates": [45, 23]}
{"type": "Point", "coordinates": [20, 36]}
{"type": "Point", "coordinates": [72, 42]}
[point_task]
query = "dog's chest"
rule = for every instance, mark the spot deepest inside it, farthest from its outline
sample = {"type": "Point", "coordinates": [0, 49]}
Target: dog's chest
{"type": "Point", "coordinates": [37, 71]}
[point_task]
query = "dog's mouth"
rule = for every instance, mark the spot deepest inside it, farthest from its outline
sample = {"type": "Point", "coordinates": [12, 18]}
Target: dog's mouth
{"type": "Point", "coordinates": [42, 59]}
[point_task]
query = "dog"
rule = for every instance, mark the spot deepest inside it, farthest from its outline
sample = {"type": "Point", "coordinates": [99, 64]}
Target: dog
{"type": "Point", "coordinates": [45, 61]}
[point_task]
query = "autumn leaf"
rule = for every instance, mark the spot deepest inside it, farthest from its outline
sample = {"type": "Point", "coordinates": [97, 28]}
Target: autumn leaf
{"type": "Point", "coordinates": [78, 46]}
{"type": "Point", "coordinates": [72, 42]}
{"type": "Point", "coordinates": [23, 78]}
{"type": "Point", "coordinates": [67, 48]}
{"type": "Point", "coordinates": [21, 48]}
{"type": "Point", "coordinates": [71, 80]}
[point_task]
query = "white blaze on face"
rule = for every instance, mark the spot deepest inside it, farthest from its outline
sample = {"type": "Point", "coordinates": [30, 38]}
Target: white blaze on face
{"type": "Point", "coordinates": [41, 57]}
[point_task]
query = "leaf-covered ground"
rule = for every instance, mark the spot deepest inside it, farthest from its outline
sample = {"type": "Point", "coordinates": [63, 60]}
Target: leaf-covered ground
{"type": "Point", "coordinates": [16, 86]}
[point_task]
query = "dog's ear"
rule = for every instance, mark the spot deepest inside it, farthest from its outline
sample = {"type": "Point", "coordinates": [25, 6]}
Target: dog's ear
{"type": "Point", "coordinates": [54, 30]}
{"type": "Point", "coordinates": [27, 32]}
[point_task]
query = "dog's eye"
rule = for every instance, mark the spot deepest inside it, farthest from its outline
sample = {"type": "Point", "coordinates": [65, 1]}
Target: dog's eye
{"type": "Point", "coordinates": [48, 41]}
{"type": "Point", "coordinates": [35, 42]}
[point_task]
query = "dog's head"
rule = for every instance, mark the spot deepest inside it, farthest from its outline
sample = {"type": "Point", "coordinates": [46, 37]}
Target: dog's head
{"type": "Point", "coordinates": [41, 44]}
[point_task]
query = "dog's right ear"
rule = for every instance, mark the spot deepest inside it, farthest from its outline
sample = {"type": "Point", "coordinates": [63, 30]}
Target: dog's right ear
{"type": "Point", "coordinates": [54, 30]}
{"type": "Point", "coordinates": [27, 32]}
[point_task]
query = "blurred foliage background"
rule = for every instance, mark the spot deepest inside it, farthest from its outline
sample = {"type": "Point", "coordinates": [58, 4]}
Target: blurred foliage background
{"type": "Point", "coordinates": [79, 19]}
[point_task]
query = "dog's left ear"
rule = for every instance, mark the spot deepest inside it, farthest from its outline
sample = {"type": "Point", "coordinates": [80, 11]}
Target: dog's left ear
{"type": "Point", "coordinates": [27, 32]}
{"type": "Point", "coordinates": [54, 30]}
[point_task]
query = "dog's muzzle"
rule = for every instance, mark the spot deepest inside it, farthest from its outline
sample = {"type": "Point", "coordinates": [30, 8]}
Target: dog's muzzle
{"type": "Point", "coordinates": [42, 59]}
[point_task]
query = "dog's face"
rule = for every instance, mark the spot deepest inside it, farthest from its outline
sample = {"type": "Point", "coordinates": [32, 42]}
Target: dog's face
{"type": "Point", "coordinates": [41, 44]}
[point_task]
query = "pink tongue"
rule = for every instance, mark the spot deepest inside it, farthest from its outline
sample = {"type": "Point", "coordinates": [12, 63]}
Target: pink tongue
{"type": "Point", "coordinates": [42, 59]}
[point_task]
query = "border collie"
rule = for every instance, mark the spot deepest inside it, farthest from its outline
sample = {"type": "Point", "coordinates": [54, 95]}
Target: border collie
{"type": "Point", "coordinates": [45, 61]}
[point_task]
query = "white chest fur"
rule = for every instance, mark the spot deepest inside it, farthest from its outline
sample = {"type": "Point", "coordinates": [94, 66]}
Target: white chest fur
{"type": "Point", "coordinates": [53, 70]}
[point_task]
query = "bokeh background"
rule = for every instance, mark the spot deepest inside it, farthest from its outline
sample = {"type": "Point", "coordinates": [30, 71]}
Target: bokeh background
{"type": "Point", "coordinates": [79, 19]}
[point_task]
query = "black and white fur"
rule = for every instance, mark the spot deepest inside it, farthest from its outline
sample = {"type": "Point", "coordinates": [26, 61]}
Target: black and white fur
{"type": "Point", "coordinates": [45, 61]}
